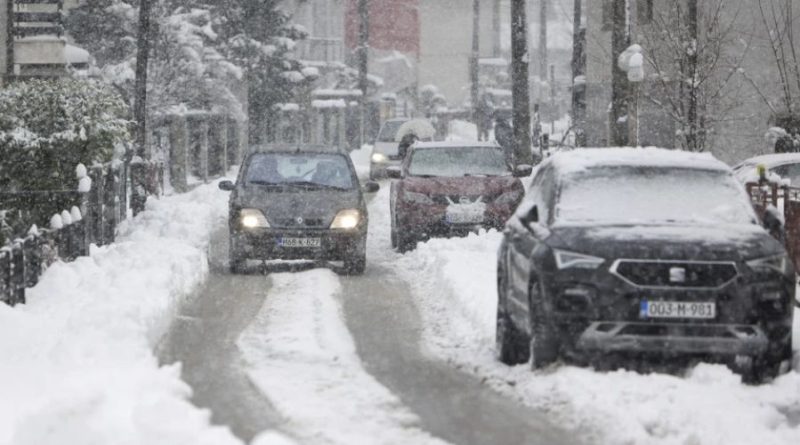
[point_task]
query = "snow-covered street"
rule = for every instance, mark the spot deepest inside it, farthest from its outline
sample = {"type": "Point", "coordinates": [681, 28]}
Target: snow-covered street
{"type": "Point", "coordinates": [404, 354]}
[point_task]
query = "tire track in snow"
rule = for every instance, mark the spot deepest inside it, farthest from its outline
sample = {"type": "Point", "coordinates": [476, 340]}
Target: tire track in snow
{"type": "Point", "coordinates": [302, 356]}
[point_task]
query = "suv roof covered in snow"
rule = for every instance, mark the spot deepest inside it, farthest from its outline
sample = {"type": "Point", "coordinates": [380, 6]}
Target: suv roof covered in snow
{"type": "Point", "coordinates": [581, 159]}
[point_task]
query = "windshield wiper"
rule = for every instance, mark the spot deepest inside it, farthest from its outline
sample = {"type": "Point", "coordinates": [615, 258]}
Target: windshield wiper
{"type": "Point", "coordinates": [312, 185]}
{"type": "Point", "coordinates": [267, 183]}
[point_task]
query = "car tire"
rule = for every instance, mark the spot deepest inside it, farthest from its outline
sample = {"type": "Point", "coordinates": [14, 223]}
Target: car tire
{"type": "Point", "coordinates": [770, 365]}
{"type": "Point", "coordinates": [511, 345]}
{"type": "Point", "coordinates": [356, 264]}
{"type": "Point", "coordinates": [544, 345]}
{"type": "Point", "coordinates": [237, 263]}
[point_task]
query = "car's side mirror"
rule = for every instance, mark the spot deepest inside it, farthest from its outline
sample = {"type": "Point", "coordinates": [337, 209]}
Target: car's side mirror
{"type": "Point", "coordinates": [530, 216]}
{"type": "Point", "coordinates": [773, 223]}
{"type": "Point", "coordinates": [371, 187]}
{"type": "Point", "coordinates": [523, 170]}
{"type": "Point", "coordinates": [227, 186]}
{"type": "Point", "coordinates": [394, 172]}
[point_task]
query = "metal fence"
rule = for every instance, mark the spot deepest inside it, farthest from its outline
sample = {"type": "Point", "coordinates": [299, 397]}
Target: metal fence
{"type": "Point", "coordinates": [77, 220]}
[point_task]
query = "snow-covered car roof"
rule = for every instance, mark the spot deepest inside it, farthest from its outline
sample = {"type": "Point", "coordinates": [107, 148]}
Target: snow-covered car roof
{"type": "Point", "coordinates": [573, 161]}
{"type": "Point", "coordinates": [457, 144]}
{"type": "Point", "coordinates": [771, 160]}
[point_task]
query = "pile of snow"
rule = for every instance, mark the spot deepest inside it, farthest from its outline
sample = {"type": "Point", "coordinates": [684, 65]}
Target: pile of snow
{"type": "Point", "coordinates": [77, 363]}
{"type": "Point", "coordinates": [453, 282]}
{"type": "Point", "coordinates": [302, 356]}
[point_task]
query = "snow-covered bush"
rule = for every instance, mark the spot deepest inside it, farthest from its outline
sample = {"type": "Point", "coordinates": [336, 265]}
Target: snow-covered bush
{"type": "Point", "coordinates": [47, 127]}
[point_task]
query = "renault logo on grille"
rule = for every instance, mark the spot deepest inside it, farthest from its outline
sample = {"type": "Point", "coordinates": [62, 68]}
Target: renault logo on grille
{"type": "Point", "coordinates": [677, 275]}
{"type": "Point", "coordinates": [299, 220]}
{"type": "Point", "coordinates": [464, 200]}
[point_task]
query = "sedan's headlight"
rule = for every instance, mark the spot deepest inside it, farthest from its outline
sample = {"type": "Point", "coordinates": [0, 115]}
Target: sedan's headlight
{"type": "Point", "coordinates": [508, 198]}
{"type": "Point", "coordinates": [776, 263]}
{"type": "Point", "coordinates": [417, 198]}
{"type": "Point", "coordinates": [379, 158]}
{"type": "Point", "coordinates": [346, 219]}
{"type": "Point", "coordinates": [253, 218]}
{"type": "Point", "coordinates": [572, 260]}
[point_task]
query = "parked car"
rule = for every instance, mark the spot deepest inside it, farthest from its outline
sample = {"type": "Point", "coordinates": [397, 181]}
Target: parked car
{"type": "Point", "coordinates": [784, 165]}
{"type": "Point", "coordinates": [291, 203]}
{"type": "Point", "coordinates": [385, 150]}
{"type": "Point", "coordinates": [451, 188]}
{"type": "Point", "coordinates": [642, 253]}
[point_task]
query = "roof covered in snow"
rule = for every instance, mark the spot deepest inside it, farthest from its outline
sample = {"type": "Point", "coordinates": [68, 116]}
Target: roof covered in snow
{"type": "Point", "coordinates": [772, 160]}
{"type": "Point", "coordinates": [448, 144]}
{"type": "Point", "coordinates": [581, 159]}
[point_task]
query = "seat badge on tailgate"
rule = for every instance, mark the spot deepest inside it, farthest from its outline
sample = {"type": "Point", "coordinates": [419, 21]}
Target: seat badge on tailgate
{"type": "Point", "coordinates": [677, 275]}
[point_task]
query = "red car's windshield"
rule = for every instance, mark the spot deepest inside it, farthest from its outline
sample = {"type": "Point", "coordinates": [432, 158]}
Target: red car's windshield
{"type": "Point", "coordinates": [458, 161]}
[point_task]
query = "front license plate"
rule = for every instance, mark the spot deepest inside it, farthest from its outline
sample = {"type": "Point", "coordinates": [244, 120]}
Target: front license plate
{"type": "Point", "coordinates": [465, 214]}
{"type": "Point", "coordinates": [300, 242]}
{"type": "Point", "coordinates": [677, 309]}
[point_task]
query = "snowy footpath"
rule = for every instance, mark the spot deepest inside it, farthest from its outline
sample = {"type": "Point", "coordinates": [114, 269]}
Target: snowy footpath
{"type": "Point", "coordinates": [77, 363]}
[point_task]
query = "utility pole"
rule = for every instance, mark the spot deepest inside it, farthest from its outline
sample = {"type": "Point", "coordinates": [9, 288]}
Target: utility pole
{"type": "Point", "coordinates": [363, 60]}
{"type": "Point", "coordinates": [620, 40]}
{"type": "Point", "coordinates": [496, 49]}
{"type": "Point", "coordinates": [473, 61]}
{"type": "Point", "coordinates": [578, 69]}
{"type": "Point", "coordinates": [542, 43]}
{"type": "Point", "coordinates": [519, 79]}
{"type": "Point", "coordinates": [139, 188]}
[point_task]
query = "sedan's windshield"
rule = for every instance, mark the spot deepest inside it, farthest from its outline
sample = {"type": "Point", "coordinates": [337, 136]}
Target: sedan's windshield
{"type": "Point", "coordinates": [313, 170]}
{"type": "Point", "coordinates": [389, 131]}
{"type": "Point", "coordinates": [632, 195]}
{"type": "Point", "coordinates": [458, 161]}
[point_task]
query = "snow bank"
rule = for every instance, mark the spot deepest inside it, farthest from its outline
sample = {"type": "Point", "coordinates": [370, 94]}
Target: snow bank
{"type": "Point", "coordinates": [453, 282]}
{"type": "Point", "coordinates": [77, 364]}
{"type": "Point", "coordinates": [304, 359]}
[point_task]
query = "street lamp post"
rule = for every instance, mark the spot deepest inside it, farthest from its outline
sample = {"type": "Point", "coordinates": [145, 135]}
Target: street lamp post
{"type": "Point", "coordinates": [631, 61]}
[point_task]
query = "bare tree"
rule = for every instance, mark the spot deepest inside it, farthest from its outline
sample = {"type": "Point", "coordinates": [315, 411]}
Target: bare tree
{"type": "Point", "coordinates": [696, 53]}
{"type": "Point", "coordinates": [778, 17]}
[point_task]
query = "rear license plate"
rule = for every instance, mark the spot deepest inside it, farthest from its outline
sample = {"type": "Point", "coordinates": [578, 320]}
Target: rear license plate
{"type": "Point", "coordinates": [300, 242]}
{"type": "Point", "coordinates": [677, 309]}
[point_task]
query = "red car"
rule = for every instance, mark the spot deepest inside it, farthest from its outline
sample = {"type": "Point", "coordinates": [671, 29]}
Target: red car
{"type": "Point", "coordinates": [452, 188]}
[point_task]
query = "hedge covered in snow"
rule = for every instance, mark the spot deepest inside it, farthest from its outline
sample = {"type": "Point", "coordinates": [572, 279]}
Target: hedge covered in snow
{"type": "Point", "coordinates": [47, 127]}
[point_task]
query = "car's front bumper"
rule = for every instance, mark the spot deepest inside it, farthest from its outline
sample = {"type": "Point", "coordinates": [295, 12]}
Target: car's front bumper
{"type": "Point", "coordinates": [377, 170]}
{"type": "Point", "coordinates": [426, 221]}
{"type": "Point", "coordinates": [673, 338]}
{"type": "Point", "coordinates": [265, 244]}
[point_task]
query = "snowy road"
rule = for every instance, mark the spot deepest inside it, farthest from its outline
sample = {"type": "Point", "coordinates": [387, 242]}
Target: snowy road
{"type": "Point", "coordinates": [203, 338]}
{"type": "Point", "coordinates": [308, 338]}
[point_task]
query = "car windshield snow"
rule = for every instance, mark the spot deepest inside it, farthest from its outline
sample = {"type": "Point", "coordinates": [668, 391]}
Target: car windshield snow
{"type": "Point", "coordinates": [313, 170]}
{"type": "Point", "coordinates": [389, 131]}
{"type": "Point", "coordinates": [635, 195]}
{"type": "Point", "coordinates": [458, 161]}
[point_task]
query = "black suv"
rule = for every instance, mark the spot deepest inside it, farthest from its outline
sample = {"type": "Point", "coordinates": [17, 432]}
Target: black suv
{"type": "Point", "coordinates": [292, 203]}
{"type": "Point", "coordinates": [639, 253]}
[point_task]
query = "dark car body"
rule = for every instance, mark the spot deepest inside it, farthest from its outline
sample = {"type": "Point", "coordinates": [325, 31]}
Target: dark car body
{"type": "Point", "coordinates": [300, 211]}
{"type": "Point", "coordinates": [424, 206]}
{"type": "Point", "coordinates": [668, 288]}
